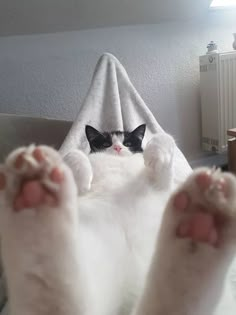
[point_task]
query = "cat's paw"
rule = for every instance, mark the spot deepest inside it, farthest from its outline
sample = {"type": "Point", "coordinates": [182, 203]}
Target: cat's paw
{"type": "Point", "coordinates": [195, 246]}
{"type": "Point", "coordinates": [159, 152]}
{"type": "Point", "coordinates": [39, 230]}
{"type": "Point", "coordinates": [158, 159]}
{"type": "Point", "coordinates": [205, 208]}
{"type": "Point", "coordinates": [35, 177]}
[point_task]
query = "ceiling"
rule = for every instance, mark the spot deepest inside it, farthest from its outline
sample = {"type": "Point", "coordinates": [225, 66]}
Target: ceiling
{"type": "Point", "coordinates": [46, 16]}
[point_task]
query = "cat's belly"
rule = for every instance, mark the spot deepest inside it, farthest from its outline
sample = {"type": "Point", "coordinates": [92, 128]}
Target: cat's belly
{"type": "Point", "coordinates": [123, 194]}
{"type": "Point", "coordinates": [117, 244]}
{"type": "Point", "coordinates": [120, 218]}
{"type": "Point", "coordinates": [123, 202]}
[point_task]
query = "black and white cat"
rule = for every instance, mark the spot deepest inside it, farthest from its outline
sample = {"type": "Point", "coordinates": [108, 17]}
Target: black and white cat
{"type": "Point", "coordinates": [94, 239]}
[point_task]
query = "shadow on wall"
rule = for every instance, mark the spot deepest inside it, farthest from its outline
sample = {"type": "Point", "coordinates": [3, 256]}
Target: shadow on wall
{"type": "Point", "coordinates": [18, 131]}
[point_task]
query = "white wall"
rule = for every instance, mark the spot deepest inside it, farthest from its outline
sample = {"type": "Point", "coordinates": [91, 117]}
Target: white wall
{"type": "Point", "coordinates": [50, 16]}
{"type": "Point", "coordinates": [49, 75]}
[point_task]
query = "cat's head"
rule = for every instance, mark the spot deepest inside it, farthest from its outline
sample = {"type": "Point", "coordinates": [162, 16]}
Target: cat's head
{"type": "Point", "coordinates": [120, 143]}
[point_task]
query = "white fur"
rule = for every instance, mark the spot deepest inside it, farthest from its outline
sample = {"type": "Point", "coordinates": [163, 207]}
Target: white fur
{"type": "Point", "coordinates": [92, 254]}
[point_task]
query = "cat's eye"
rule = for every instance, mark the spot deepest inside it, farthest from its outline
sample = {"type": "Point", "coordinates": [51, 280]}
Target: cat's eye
{"type": "Point", "coordinates": [127, 144]}
{"type": "Point", "coordinates": [106, 144]}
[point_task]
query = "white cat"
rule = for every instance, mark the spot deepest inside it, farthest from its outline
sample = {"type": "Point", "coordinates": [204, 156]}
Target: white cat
{"type": "Point", "coordinates": [97, 243]}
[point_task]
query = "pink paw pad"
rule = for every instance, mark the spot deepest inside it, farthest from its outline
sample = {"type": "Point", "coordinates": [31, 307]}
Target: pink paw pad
{"type": "Point", "coordinates": [33, 194]}
{"type": "Point", "coordinates": [204, 180]}
{"type": "Point", "coordinates": [30, 196]}
{"type": "Point", "coordinates": [222, 186]}
{"type": "Point", "coordinates": [56, 175]}
{"type": "Point", "coordinates": [200, 227]}
{"type": "Point", "coordinates": [38, 155]}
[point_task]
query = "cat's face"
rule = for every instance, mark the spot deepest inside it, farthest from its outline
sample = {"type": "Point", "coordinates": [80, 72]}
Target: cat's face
{"type": "Point", "coordinates": [120, 143]}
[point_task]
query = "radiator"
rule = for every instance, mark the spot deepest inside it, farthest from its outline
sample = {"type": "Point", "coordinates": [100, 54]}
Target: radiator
{"type": "Point", "coordinates": [218, 99]}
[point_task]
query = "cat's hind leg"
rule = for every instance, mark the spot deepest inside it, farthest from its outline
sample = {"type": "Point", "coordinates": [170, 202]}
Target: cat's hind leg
{"type": "Point", "coordinates": [39, 233]}
{"type": "Point", "coordinates": [195, 247]}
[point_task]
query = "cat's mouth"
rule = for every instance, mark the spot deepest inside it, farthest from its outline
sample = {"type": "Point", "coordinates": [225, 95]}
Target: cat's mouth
{"type": "Point", "coordinates": [121, 153]}
{"type": "Point", "coordinates": [117, 152]}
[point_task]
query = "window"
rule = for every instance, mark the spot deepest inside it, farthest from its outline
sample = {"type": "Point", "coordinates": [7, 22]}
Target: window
{"type": "Point", "coordinates": [223, 4]}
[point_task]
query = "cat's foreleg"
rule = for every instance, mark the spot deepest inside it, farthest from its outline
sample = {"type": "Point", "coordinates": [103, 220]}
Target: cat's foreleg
{"type": "Point", "coordinates": [39, 233]}
{"type": "Point", "coordinates": [158, 159]}
{"type": "Point", "coordinates": [195, 247]}
{"type": "Point", "coordinates": [81, 168]}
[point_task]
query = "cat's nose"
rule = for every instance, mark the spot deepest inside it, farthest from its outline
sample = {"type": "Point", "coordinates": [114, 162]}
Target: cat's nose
{"type": "Point", "coordinates": [117, 148]}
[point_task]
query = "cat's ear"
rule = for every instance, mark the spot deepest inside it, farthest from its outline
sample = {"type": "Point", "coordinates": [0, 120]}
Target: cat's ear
{"type": "Point", "coordinates": [139, 131]}
{"type": "Point", "coordinates": [91, 133]}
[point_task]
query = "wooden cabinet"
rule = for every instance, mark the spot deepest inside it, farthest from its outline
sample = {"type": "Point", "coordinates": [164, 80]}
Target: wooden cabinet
{"type": "Point", "coordinates": [232, 150]}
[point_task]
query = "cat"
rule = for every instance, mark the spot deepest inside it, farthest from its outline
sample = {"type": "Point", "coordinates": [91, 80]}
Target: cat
{"type": "Point", "coordinates": [111, 233]}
